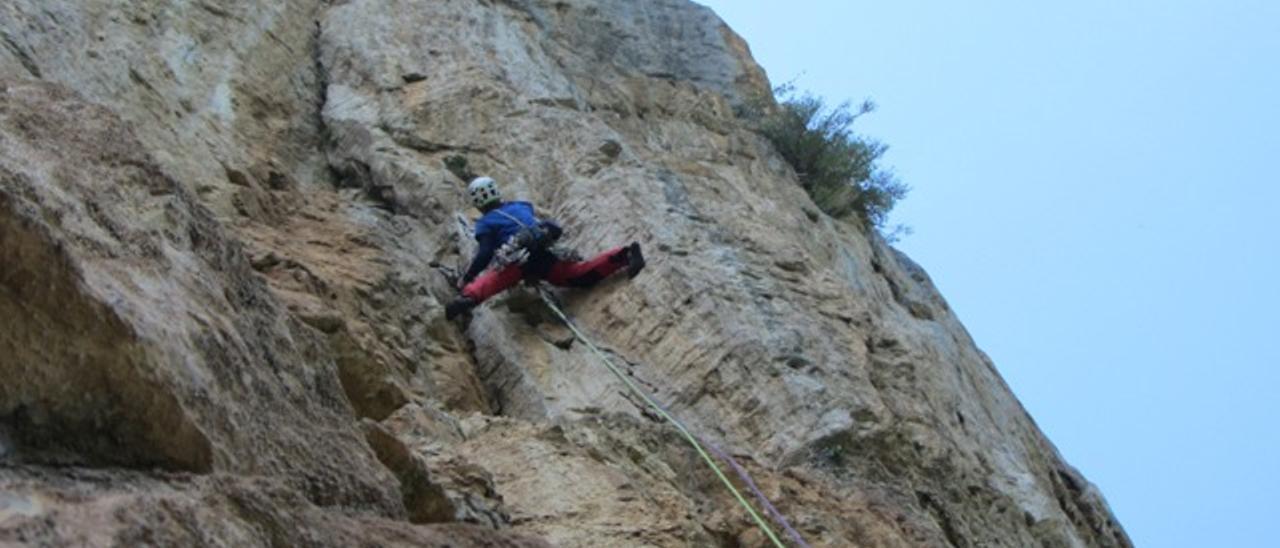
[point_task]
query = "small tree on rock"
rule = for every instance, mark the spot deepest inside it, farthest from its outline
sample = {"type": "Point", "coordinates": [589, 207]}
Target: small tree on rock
{"type": "Point", "coordinates": [836, 166]}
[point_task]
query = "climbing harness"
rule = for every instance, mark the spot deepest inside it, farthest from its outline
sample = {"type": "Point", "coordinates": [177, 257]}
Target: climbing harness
{"type": "Point", "coordinates": [701, 446]}
{"type": "Point", "coordinates": [517, 248]}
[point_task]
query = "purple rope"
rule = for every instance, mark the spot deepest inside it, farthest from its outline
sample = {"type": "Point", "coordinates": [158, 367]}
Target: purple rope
{"type": "Point", "coordinates": [773, 512]}
{"type": "Point", "coordinates": [764, 501]}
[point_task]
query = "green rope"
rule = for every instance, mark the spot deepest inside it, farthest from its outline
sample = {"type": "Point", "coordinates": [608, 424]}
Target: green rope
{"type": "Point", "coordinates": [693, 440]}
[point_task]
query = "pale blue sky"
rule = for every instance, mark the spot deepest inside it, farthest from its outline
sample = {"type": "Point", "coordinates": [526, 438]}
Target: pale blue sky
{"type": "Point", "coordinates": [1094, 191]}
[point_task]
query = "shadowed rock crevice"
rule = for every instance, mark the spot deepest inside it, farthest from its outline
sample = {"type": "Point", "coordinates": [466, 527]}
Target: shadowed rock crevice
{"type": "Point", "coordinates": [74, 388]}
{"type": "Point", "coordinates": [88, 507]}
{"type": "Point", "coordinates": [148, 340]}
{"type": "Point", "coordinates": [22, 56]}
{"type": "Point", "coordinates": [425, 500]}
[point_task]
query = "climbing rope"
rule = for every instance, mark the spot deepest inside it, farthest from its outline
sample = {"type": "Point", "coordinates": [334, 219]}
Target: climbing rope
{"type": "Point", "coordinates": [691, 438]}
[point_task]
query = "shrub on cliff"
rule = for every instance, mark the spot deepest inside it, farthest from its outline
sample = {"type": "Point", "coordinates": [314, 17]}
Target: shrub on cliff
{"type": "Point", "coordinates": [836, 166]}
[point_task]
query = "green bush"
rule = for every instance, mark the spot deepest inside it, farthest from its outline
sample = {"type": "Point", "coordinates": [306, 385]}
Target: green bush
{"type": "Point", "coordinates": [836, 166]}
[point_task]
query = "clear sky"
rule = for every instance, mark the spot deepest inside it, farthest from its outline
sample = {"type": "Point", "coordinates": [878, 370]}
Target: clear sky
{"type": "Point", "coordinates": [1095, 188]}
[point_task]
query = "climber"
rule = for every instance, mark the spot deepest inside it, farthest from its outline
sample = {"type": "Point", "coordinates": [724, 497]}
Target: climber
{"type": "Point", "coordinates": [518, 244]}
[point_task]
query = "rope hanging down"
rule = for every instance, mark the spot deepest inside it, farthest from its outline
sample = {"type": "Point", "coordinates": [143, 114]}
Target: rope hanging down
{"type": "Point", "coordinates": [693, 440]}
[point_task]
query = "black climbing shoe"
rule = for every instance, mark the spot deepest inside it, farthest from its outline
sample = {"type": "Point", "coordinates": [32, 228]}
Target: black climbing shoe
{"type": "Point", "coordinates": [635, 260]}
{"type": "Point", "coordinates": [458, 306]}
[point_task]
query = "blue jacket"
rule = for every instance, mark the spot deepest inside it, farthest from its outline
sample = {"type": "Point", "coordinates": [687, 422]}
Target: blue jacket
{"type": "Point", "coordinates": [495, 225]}
{"type": "Point", "coordinates": [494, 229]}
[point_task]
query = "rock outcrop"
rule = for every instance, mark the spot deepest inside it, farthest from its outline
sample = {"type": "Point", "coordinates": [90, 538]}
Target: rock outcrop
{"type": "Point", "coordinates": [221, 229]}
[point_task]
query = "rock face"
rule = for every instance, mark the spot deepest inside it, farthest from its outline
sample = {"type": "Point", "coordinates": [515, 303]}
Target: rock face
{"type": "Point", "coordinates": [220, 229]}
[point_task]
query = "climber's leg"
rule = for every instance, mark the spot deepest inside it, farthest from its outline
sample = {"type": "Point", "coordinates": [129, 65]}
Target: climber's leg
{"type": "Point", "coordinates": [493, 282]}
{"type": "Point", "coordinates": [590, 272]}
{"type": "Point", "coordinates": [484, 286]}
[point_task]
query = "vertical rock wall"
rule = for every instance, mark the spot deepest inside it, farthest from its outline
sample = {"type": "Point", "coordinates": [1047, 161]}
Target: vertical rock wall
{"type": "Point", "coordinates": [221, 232]}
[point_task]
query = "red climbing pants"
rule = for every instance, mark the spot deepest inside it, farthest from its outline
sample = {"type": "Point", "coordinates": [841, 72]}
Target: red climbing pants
{"type": "Point", "coordinates": [561, 273]}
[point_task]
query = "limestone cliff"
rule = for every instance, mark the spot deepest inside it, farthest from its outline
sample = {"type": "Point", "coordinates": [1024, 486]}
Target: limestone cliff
{"type": "Point", "coordinates": [220, 227]}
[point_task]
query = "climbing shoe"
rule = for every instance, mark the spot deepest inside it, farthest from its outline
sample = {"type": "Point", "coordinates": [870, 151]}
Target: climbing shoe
{"type": "Point", "coordinates": [635, 260]}
{"type": "Point", "coordinates": [458, 306]}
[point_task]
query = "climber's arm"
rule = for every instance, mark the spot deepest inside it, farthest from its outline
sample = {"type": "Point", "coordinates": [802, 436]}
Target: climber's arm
{"type": "Point", "coordinates": [484, 254]}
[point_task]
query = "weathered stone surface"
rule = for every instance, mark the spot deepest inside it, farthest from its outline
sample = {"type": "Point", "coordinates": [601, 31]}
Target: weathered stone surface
{"type": "Point", "coordinates": [84, 507]}
{"type": "Point", "coordinates": [799, 340]}
{"type": "Point", "coordinates": [234, 290]}
{"type": "Point", "coordinates": [424, 498]}
{"type": "Point", "coordinates": [211, 88]}
{"type": "Point", "coordinates": [613, 480]}
{"type": "Point", "coordinates": [136, 333]}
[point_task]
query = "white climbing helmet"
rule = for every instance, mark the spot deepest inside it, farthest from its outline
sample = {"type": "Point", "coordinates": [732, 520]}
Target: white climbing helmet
{"type": "Point", "coordinates": [484, 191]}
